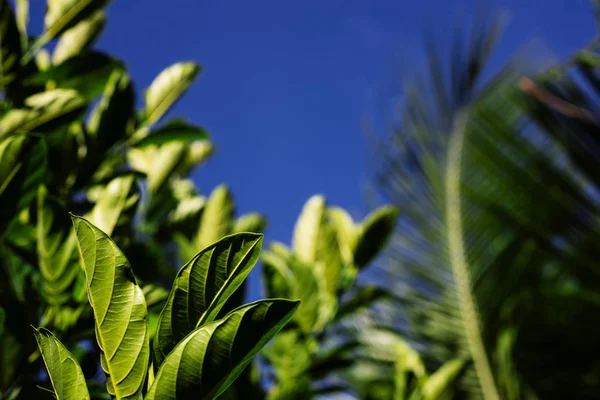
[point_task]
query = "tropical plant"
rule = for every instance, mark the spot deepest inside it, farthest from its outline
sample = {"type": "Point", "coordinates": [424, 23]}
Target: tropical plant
{"type": "Point", "coordinates": [328, 251]}
{"type": "Point", "coordinates": [195, 354]}
{"type": "Point", "coordinates": [71, 139]}
{"type": "Point", "coordinates": [495, 256]}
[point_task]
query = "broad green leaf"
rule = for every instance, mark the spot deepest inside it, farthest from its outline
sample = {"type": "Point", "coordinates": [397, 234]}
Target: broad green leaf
{"type": "Point", "coordinates": [252, 222]}
{"type": "Point", "coordinates": [440, 382]}
{"type": "Point", "coordinates": [119, 311]}
{"type": "Point", "coordinates": [79, 38]}
{"type": "Point", "coordinates": [158, 163]}
{"type": "Point", "coordinates": [56, 248]}
{"type": "Point", "coordinates": [64, 14]}
{"type": "Point", "coordinates": [10, 44]}
{"type": "Point", "coordinates": [23, 163]}
{"type": "Point", "coordinates": [202, 287]}
{"type": "Point", "coordinates": [43, 108]}
{"type": "Point", "coordinates": [294, 279]}
{"type": "Point", "coordinates": [167, 88]}
{"type": "Point", "coordinates": [306, 232]}
{"type": "Point", "coordinates": [2, 320]}
{"type": "Point", "coordinates": [87, 73]}
{"type": "Point", "coordinates": [374, 234]}
{"type": "Point", "coordinates": [65, 373]}
{"type": "Point", "coordinates": [345, 230]}
{"type": "Point", "coordinates": [111, 202]}
{"type": "Point", "coordinates": [176, 130]}
{"type": "Point", "coordinates": [216, 220]}
{"type": "Point", "coordinates": [210, 358]}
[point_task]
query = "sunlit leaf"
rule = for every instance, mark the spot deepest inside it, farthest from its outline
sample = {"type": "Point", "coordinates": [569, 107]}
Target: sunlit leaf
{"type": "Point", "coordinates": [167, 88]}
{"type": "Point", "coordinates": [65, 373]}
{"type": "Point", "coordinates": [79, 38]}
{"type": "Point", "coordinates": [306, 232]}
{"type": "Point", "coordinates": [209, 359]}
{"type": "Point", "coordinates": [22, 14]}
{"type": "Point", "coordinates": [64, 14]}
{"type": "Point", "coordinates": [110, 204]}
{"type": "Point", "coordinates": [252, 222]}
{"type": "Point", "coordinates": [202, 287]}
{"type": "Point", "coordinates": [158, 163]}
{"type": "Point", "coordinates": [217, 216]}
{"type": "Point", "coordinates": [44, 108]}
{"type": "Point", "coordinates": [119, 311]}
{"type": "Point", "coordinates": [440, 382]}
{"type": "Point", "coordinates": [345, 230]}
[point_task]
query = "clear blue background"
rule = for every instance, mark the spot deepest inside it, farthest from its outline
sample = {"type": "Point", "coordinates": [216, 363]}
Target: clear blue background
{"type": "Point", "coordinates": [286, 83]}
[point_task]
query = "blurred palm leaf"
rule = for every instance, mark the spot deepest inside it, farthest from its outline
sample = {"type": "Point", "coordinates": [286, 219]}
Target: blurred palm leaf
{"type": "Point", "coordinates": [498, 192]}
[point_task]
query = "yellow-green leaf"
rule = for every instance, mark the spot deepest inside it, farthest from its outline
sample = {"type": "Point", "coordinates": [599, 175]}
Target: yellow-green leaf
{"type": "Point", "coordinates": [119, 311]}
{"type": "Point", "coordinates": [306, 232]}
{"type": "Point", "coordinates": [202, 287]}
{"type": "Point", "coordinates": [167, 88]}
{"type": "Point", "coordinates": [79, 38]}
{"type": "Point", "coordinates": [216, 220]}
{"type": "Point", "coordinates": [210, 358]}
{"type": "Point", "coordinates": [65, 373]}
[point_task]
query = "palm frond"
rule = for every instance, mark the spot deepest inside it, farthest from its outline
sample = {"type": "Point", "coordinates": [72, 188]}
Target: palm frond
{"type": "Point", "coordinates": [498, 186]}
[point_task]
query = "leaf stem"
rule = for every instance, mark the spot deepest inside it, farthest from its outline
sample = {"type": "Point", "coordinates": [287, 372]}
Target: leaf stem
{"type": "Point", "coordinates": [459, 263]}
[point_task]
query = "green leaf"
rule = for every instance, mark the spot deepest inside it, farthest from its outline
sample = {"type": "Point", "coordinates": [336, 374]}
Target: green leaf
{"type": "Point", "coordinates": [10, 44]}
{"type": "Point", "coordinates": [64, 14]}
{"type": "Point", "coordinates": [44, 108]}
{"type": "Point", "coordinates": [374, 234]}
{"type": "Point", "coordinates": [441, 381]}
{"type": "Point", "coordinates": [79, 38]}
{"type": "Point", "coordinates": [306, 232]}
{"type": "Point", "coordinates": [167, 88]}
{"type": "Point", "coordinates": [346, 232]}
{"type": "Point", "coordinates": [292, 278]}
{"type": "Point", "coordinates": [197, 152]}
{"type": "Point", "coordinates": [216, 220]}
{"type": "Point", "coordinates": [111, 202]}
{"type": "Point", "coordinates": [202, 287]}
{"type": "Point", "coordinates": [119, 311]}
{"type": "Point", "coordinates": [210, 358]}
{"type": "Point", "coordinates": [158, 163]}
{"type": "Point", "coordinates": [65, 373]}
{"type": "Point", "coordinates": [329, 258]}
{"type": "Point", "coordinates": [109, 121]}
{"type": "Point", "coordinates": [56, 248]}
{"type": "Point", "coordinates": [252, 222]}
{"type": "Point", "coordinates": [176, 130]}
{"type": "Point", "coordinates": [22, 11]}
{"type": "Point", "coordinates": [87, 73]}
{"type": "Point", "coordinates": [23, 163]}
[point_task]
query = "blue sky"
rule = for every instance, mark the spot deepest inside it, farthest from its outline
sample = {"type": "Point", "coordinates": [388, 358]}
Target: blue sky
{"type": "Point", "coordinates": [286, 83]}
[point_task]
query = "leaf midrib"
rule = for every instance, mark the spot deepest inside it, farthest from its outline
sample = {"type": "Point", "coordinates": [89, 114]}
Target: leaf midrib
{"type": "Point", "coordinates": [228, 281]}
